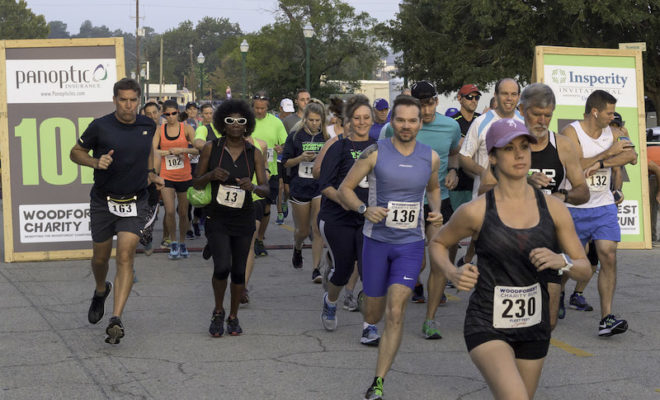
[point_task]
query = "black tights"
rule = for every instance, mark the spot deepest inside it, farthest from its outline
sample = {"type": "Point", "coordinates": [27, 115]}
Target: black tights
{"type": "Point", "coordinates": [230, 255]}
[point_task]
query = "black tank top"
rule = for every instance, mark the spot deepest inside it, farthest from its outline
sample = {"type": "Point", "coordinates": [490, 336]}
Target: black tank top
{"type": "Point", "coordinates": [504, 261]}
{"type": "Point", "coordinates": [547, 162]}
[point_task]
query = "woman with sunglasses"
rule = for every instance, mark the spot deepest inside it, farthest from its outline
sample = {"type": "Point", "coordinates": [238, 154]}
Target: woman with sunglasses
{"type": "Point", "coordinates": [173, 146]}
{"type": "Point", "coordinates": [300, 150]}
{"type": "Point", "coordinates": [518, 232]}
{"type": "Point", "coordinates": [229, 164]}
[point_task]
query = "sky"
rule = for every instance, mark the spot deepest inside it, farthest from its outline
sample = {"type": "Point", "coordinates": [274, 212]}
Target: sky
{"type": "Point", "coordinates": [165, 14]}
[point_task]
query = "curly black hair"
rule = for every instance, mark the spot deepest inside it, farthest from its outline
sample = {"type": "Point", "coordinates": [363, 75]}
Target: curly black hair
{"type": "Point", "coordinates": [234, 106]}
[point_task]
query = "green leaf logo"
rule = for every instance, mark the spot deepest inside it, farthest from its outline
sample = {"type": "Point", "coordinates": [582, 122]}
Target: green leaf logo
{"type": "Point", "coordinates": [100, 73]}
{"type": "Point", "coordinates": [558, 76]}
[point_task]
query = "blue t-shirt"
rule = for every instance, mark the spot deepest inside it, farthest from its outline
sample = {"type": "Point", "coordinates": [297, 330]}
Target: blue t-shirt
{"type": "Point", "coordinates": [442, 135]}
{"type": "Point", "coordinates": [374, 132]}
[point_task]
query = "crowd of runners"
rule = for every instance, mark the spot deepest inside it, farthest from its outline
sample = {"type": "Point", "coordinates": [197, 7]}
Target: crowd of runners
{"type": "Point", "coordinates": [381, 190]}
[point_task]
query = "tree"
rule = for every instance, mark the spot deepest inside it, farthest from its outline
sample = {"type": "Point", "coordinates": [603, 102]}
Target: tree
{"type": "Point", "coordinates": [19, 22]}
{"type": "Point", "coordinates": [58, 30]}
{"type": "Point", "coordinates": [455, 41]}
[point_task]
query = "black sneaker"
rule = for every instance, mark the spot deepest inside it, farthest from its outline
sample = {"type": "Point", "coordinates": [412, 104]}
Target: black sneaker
{"type": "Point", "coordinates": [97, 308]}
{"type": "Point", "coordinates": [375, 391]}
{"type": "Point", "coordinates": [198, 233]}
{"type": "Point", "coordinates": [233, 328]}
{"type": "Point", "coordinates": [217, 327]}
{"type": "Point", "coordinates": [190, 235]}
{"type": "Point", "coordinates": [115, 331]}
{"type": "Point", "coordinates": [418, 294]}
{"type": "Point", "coordinates": [316, 276]}
{"type": "Point", "coordinates": [297, 259]}
{"type": "Point", "coordinates": [206, 252]}
{"type": "Point", "coordinates": [610, 325]}
{"type": "Point", "coordinates": [259, 248]}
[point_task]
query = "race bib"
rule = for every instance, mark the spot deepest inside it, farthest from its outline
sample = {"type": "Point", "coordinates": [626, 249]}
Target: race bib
{"type": "Point", "coordinates": [123, 207]}
{"type": "Point", "coordinates": [270, 155]}
{"type": "Point", "coordinates": [305, 169]}
{"type": "Point", "coordinates": [364, 183]}
{"type": "Point", "coordinates": [194, 158]}
{"type": "Point", "coordinates": [546, 191]}
{"type": "Point", "coordinates": [230, 196]}
{"type": "Point", "coordinates": [173, 162]}
{"type": "Point", "coordinates": [402, 214]}
{"type": "Point", "coordinates": [599, 181]}
{"type": "Point", "coordinates": [517, 307]}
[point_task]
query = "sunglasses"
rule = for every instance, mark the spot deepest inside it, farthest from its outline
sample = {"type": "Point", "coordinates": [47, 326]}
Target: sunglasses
{"type": "Point", "coordinates": [172, 113]}
{"type": "Point", "coordinates": [472, 97]}
{"type": "Point", "coordinates": [257, 97]}
{"type": "Point", "coordinates": [239, 121]}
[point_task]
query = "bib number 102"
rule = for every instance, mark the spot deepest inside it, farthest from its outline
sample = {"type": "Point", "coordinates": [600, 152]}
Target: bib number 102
{"type": "Point", "coordinates": [45, 151]}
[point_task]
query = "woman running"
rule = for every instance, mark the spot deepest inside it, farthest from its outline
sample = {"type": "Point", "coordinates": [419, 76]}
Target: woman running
{"type": "Point", "coordinates": [229, 163]}
{"type": "Point", "coordinates": [518, 232]}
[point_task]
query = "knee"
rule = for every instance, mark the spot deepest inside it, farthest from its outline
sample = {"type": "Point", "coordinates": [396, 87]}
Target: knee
{"type": "Point", "coordinates": [124, 258]}
{"type": "Point", "coordinates": [608, 260]}
{"type": "Point", "coordinates": [395, 314]}
{"type": "Point", "coordinates": [220, 275]}
{"type": "Point", "coordinates": [238, 278]}
{"type": "Point", "coordinates": [302, 231]}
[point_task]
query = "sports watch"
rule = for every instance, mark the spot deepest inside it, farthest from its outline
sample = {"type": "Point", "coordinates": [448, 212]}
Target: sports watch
{"type": "Point", "coordinates": [568, 266]}
{"type": "Point", "coordinates": [362, 209]}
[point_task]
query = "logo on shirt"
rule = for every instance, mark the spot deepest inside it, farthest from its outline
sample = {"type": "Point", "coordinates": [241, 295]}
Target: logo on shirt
{"type": "Point", "coordinates": [405, 166]}
{"type": "Point", "coordinates": [144, 133]}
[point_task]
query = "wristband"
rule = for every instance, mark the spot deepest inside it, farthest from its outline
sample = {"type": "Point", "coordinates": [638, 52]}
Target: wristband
{"type": "Point", "coordinates": [452, 168]}
{"type": "Point", "coordinates": [600, 164]}
{"type": "Point", "coordinates": [152, 170]}
{"type": "Point", "coordinates": [565, 193]}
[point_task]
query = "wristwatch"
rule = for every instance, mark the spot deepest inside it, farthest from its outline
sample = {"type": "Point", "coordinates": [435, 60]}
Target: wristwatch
{"type": "Point", "coordinates": [152, 170]}
{"type": "Point", "coordinates": [565, 193]}
{"type": "Point", "coordinates": [567, 267]}
{"type": "Point", "coordinates": [600, 164]}
{"type": "Point", "coordinates": [362, 209]}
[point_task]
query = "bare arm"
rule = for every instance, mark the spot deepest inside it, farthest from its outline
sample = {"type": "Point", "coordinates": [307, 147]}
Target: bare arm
{"type": "Point", "coordinates": [81, 156]}
{"type": "Point", "coordinates": [316, 171]}
{"type": "Point", "coordinates": [468, 165]}
{"type": "Point", "coordinates": [579, 193]}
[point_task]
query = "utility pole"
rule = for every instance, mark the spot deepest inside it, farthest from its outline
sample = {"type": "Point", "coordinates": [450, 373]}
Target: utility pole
{"type": "Point", "coordinates": [192, 73]}
{"type": "Point", "coordinates": [137, 40]}
{"type": "Point", "coordinates": [160, 77]}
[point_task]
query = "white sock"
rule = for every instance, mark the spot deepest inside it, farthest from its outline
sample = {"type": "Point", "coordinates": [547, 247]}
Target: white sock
{"type": "Point", "coordinates": [327, 300]}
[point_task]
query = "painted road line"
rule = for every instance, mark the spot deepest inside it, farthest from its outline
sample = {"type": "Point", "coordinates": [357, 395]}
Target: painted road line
{"type": "Point", "coordinates": [287, 227]}
{"type": "Point", "coordinates": [569, 349]}
{"type": "Point", "coordinates": [452, 297]}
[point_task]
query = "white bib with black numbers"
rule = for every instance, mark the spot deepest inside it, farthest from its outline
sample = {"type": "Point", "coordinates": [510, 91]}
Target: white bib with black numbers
{"type": "Point", "coordinates": [402, 214]}
{"type": "Point", "coordinates": [123, 208]}
{"type": "Point", "coordinates": [270, 155]}
{"type": "Point", "coordinates": [305, 169]}
{"type": "Point", "coordinates": [230, 196]}
{"type": "Point", "coordinates": [364, 183]}
{"type": "Point", "coordinates": [599, 181]}
{"type": "Point", "coordinates": [173, 162]}
{"type": "Point", "coordinates": [517, 307]}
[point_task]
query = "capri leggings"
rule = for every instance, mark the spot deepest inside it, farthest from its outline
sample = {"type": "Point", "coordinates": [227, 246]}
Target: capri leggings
{"type": "Point", "coordinates": [345, 243]}
{"type": "Point", "coordinates": [229, 253]}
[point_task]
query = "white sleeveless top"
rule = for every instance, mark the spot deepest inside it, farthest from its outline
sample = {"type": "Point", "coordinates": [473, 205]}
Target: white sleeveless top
{"type": "Point", "coordinates": [599, 182]}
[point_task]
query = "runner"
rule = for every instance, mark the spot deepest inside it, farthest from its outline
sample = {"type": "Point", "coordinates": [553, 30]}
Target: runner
{"type": "Point", "coordinates": [123, 161]}
{"type": "Point", "coordinates": [518, 232]}
{"type": "Point", "coordinates": [600, 149]}
{"type": "Point", "coordinates": [399, 172]}
{"type": "Point", "coordinates": [341, 228]}
{"type": "Point", "coordinates": [229, 163]}
{"type": "Point", "coordinates": [172, 144]}
{"type": "Point", "coordinates": [299, 152]}
{"type": "Point", "coordinates": [468, 96]}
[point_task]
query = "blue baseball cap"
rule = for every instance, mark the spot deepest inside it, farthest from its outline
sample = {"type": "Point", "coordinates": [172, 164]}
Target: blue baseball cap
{"type": "Point", "coordinates": [381, 104]}
{"type": "Point", "coordinates": [451, 112]}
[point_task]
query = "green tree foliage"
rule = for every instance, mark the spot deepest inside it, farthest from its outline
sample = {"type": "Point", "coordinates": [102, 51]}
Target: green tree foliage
{"type": "Point", "coordinates": [19, 22]}
{"type": "Point", "coordinates": [456, 41]}
{"type": "Point", "coordinates": [58, 30]}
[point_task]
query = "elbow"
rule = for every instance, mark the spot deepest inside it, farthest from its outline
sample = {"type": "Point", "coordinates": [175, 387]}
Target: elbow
{"type": "Point", "coordinates": [581, 194]}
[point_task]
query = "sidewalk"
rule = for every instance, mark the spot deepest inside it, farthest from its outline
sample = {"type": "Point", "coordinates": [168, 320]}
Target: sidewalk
{"type": "Point", "coordinates": [48, 350]}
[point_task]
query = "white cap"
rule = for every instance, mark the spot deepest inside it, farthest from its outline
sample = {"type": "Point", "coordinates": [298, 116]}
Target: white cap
{"type": "Point", "coordinates": [287, 105]}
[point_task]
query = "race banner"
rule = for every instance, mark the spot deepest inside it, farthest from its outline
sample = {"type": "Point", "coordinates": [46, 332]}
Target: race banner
{"type": "Point", "coordinates": [573, 74]}
{"type": "Point", "coordinates": [50, 90]}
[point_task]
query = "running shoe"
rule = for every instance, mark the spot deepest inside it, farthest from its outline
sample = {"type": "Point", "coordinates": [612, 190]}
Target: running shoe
{"type": "Point", "coordinates": [174, 251]}
{"type": "Point", "coordinates": [611, 326]}
{"type": "Point", "coordinates": [97, 308]}
{"type": "Point", "coordinates": [183, 251]}
{"type": "Point", "coordinates": [245, 297]}
{"type": "Point", "coordinates": [280, 218]}
{"type": "Point", "coordinates": [578, 302]}
{"type": "Point", "coordinates": [259, 249]}
{"type": "Point", "coordinates": [233, 328]}
{"type": "Point", "coordinates": [206, 252]}
{"type": "Point", "coordinates": [165, 244]}
{"type": "Point", "coordinates": [217, 327]}
{"type": "Point", "coordinates": [430, 330]}
{"type": "Point", "coordinates": [443, 299]}
{"type": "Point", "coordinates": [149, 249]}
{"type": "Point", "coordinates": [329, 314]}
{"type": "Point", "coordinates": [360, 301]}
{"type": "Point", "coordinates": [350, 302]}
{"type": "Point", "coordinates": [297, 259]}
{"type": "Point", "coordinates": [562, 308]}
{"type": "Point", "coordinates": [370, 336]}
{"type": "Point", "coordinates": [451, 285]}
{"type": "Point", "coordinates": [115, 331]}
{"type": "Point", "coordinates": [196, 230]}
{"type": "Point", "coordinates": [285, 209]}
{"type": "Point", "coordinates": [375, 391]}
{"type": "Point", "coordinates": [190, 235]}
{"type": "Point", "coordinates": [418, 294]}
{"type": "Point", "coordinates": [316, 276]}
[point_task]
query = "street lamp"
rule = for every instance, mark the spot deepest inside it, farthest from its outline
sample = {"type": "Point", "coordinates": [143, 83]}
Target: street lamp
{"type": "Point", "coordinates": [308, 32]}
{"type": "Point", "coordinates": [244, 49]}
{"type": "Point", "coordinates": [200, 61]}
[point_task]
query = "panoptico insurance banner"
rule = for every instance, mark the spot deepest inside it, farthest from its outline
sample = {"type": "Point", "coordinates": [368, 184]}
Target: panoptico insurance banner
{"type": "Point", "coordinates": [573, 74]}
{"type": "Point", "coordinates": [50, 90]}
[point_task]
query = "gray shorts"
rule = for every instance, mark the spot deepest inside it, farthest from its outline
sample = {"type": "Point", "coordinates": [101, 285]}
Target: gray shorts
{"type": "Point", "coordinates": [104, 224]}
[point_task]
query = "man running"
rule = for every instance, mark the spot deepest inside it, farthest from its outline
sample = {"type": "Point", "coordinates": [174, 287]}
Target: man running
{"type": "Point", "coordinates": [400, 170]}
{"type": "Point", "coordinates": [123, 163]}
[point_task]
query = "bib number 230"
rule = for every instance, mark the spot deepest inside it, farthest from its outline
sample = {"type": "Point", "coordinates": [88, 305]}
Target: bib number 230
{"type": "Point", "coordinates": [517, 307]}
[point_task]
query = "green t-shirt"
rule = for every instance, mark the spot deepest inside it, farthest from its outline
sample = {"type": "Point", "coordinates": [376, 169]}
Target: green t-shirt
{"type": "Point", "coordinates": [201, 132]}
{"type": "Point", "coordinates": [271, 130]}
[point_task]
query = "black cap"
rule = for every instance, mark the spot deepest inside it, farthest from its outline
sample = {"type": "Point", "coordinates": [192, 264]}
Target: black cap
{"type": "Point", "coordinates": [617, 119]}
{"type": "Point", "coordinates": [423, 90]}
{"type": "Point", "coordinates": [191, 104]}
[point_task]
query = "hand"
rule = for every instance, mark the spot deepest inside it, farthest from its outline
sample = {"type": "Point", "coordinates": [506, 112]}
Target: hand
{"type": "Point", "coordinates": [245, 184]}
{"type": "Point", "coordinates": [465, 277]}
{"type": "Point", "coordinates": [219, 174]}
{"type": "Point", "coordinates": [544, 258]}
{"type": "Point", "coordinates": [618, 146]}
{"type": "Point", "coordinates": [451, 180]}
{"type": "Point", "coordinates": [175, 151]}
{"type": "Point", "coordinates": [163, 153]}
{"type": "Point", "coordinates": [435, 218]}
{"type": "Point", "coordinates": [375, 214]}
{"type": "Point", "coordinates": [279, 149]}
{"type": "Point", "coordinates": [105, 160]}
{"type": "Point", "coordinates": [592, 169]}
{"type": "Point", "coordinates": [539, 180]}
{"type": "Point", "coordinates": [308, 156]}
{"type": "Point", "coordinates": [157, 180]}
